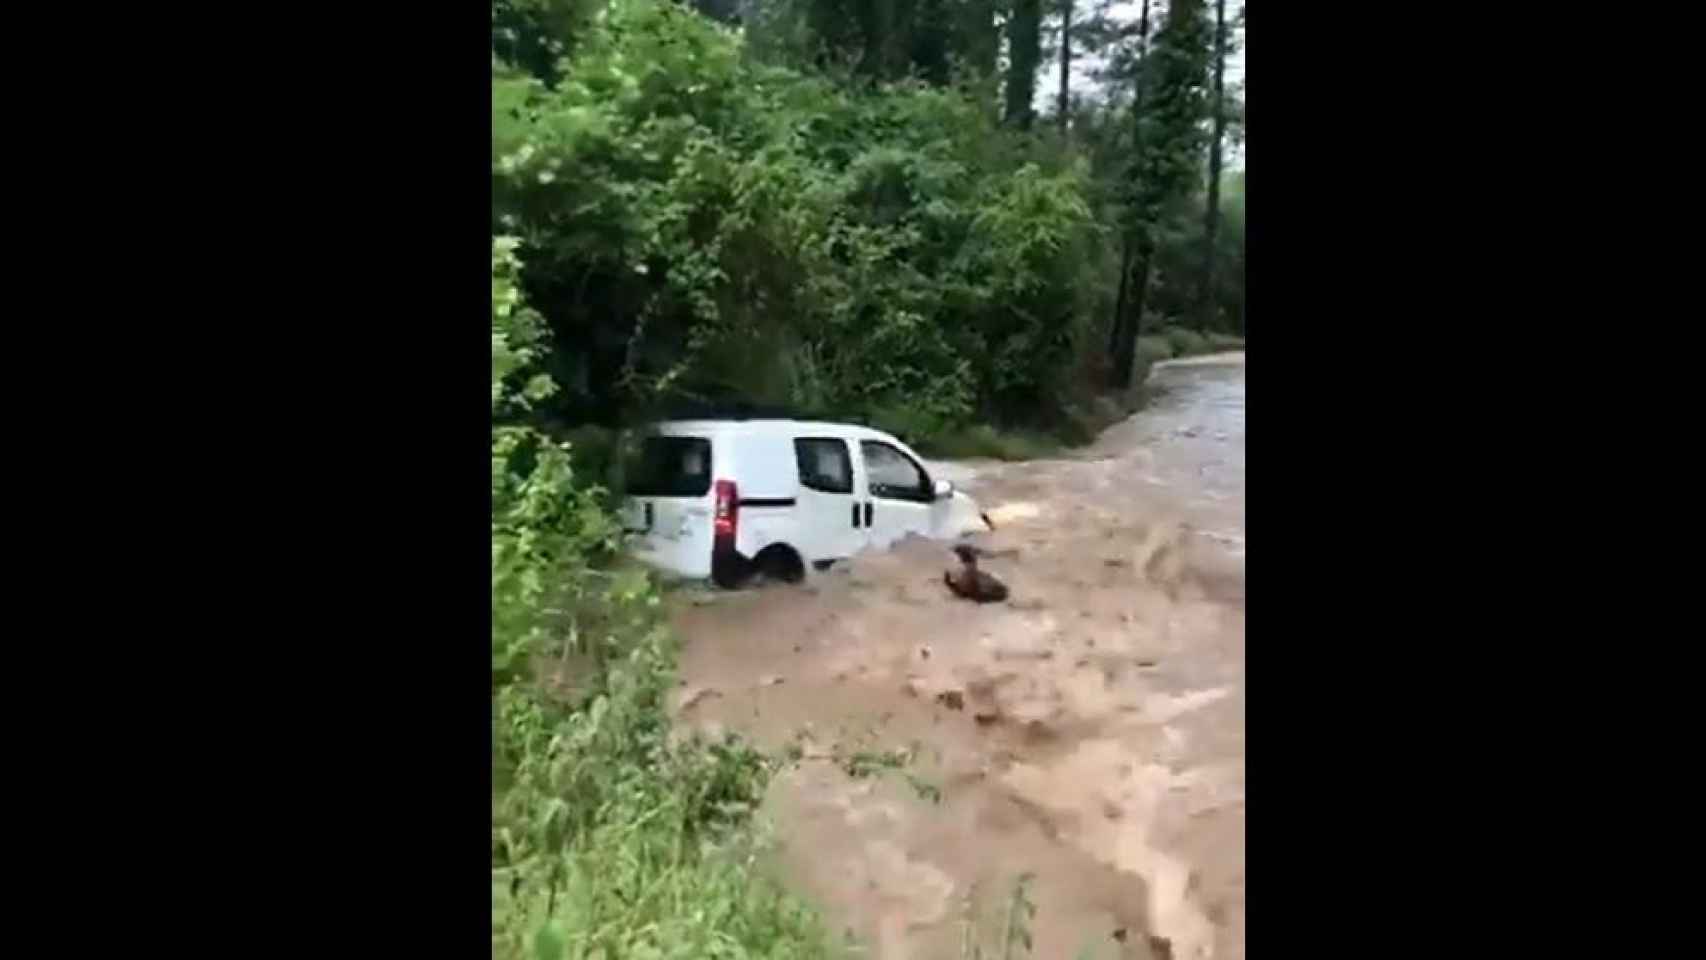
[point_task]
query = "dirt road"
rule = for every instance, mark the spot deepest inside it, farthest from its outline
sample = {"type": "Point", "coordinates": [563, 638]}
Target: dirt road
{"type": "Point", "coordinates": [1089, 732]}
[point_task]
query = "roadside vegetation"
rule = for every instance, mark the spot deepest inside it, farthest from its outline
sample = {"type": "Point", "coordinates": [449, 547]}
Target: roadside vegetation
{"type": "Point", "coordinates": [608, 838]}
{"type": "Point", "coordinates": [852, 210]}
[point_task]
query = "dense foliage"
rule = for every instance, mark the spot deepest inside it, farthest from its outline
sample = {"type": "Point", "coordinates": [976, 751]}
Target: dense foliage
{"type": "Point", "coordinates": [607, 838]}
{"type": "Point", "coordinates": [699, 222]}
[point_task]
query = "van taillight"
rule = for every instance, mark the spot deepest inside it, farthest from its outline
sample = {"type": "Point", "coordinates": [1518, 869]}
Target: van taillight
{"type": "Point", "coordinates": [728, 511]}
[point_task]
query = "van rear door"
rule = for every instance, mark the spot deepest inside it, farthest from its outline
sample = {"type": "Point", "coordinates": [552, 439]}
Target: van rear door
{"type": "Point", "coordinates": [670, 502]}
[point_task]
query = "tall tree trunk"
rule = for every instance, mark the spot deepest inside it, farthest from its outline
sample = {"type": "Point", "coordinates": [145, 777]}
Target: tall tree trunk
{"type": "Point", "coordinates": [1133, 328]}
{"type": "Point", "coordinates": [1211, 215]}
{"type": "Point", "coordinates": [930, 41]}
{"type": "Point", "coordinates": [1244, 266]}
{"type": "Point", "coordinates": [1024, 49]}
{"type": "Point", "coordinates": [1126, 319]}
{"type": "Point", "coordinates": [876, 26]}
{"type": "Point", "coordinates": [981, 37]}
{"type": "Point", "coordinates": [1065, 63]}
{"type": "Point", "coordinates": [1115, 328]}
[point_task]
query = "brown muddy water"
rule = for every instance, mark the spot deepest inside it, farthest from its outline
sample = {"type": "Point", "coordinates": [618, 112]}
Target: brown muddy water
{"type": "Point", "coordinates": [1088, 732]}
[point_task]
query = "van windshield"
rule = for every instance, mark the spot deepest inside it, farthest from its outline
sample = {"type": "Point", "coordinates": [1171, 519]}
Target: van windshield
{"type": "Point", "coordinates": [671, 467]}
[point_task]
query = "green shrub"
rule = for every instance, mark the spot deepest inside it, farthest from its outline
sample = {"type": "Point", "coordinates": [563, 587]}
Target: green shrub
{"type": "Point", "coordinates": [700, 224]}
{"type": "Point", "coordinates": [610, 841]}
{"type": "Point", "coordinates": [1154, 349]}
{"type": "Point", "coordinates": [985, 442]}
{"type": "Point", "coordinates": [916, 426]}
{"type": "Point", "coordinates": [1224, 342]}
{"type": "Point", "coordinates": [1078, 425]}
{"type": "Point", "coordinates": [607, 839]}
{"type": "Point", "coordinates": [1185, 341]}
{"type": "Point", "coordinates": [597, 456]}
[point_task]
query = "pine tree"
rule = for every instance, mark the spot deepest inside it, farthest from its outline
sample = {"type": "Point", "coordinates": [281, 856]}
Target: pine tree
{"type": "Point", "coordinates": [1168, 141]}
{"type": "Point", "coordinates": [1211, 212]}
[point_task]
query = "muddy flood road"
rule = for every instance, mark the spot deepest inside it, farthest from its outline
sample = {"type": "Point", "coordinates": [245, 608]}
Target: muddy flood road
{"type": "Point", "coordinates": [1089, 731]}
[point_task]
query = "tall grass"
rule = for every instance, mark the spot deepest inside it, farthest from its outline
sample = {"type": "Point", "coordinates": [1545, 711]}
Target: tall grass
{"type": "Point", "coordinates": [1012, 939]}
{"type": "Point", "coordinates": [609, 840]}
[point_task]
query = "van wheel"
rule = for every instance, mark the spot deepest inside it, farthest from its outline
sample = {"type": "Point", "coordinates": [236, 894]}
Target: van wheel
{"type": "Point", "coordinates": [779, 562]}
{"type": "Point", "coordinates": [731, 571]}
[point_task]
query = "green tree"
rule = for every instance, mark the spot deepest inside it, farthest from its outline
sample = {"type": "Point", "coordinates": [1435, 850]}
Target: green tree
{"type": "Point", "coordinates": [684, 209]}
{"type": "Point", "coordinates": [1123, 332]}
{"type": "Point", "coordinates": [704, 214]}
{"type": "Point", "coordinates": [1168, 146]}
{"type": "Point", "coordinates": [1206, 306]}
{"type": "Point", "coordinates": [534, 35]}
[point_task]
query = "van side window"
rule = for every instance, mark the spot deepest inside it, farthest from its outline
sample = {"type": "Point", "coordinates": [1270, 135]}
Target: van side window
{"type": "Point", "coordinates": [671, 467]}
{"type": "Point", "coordinates": [892, 474]}
{"type": "Point", "coordinates": [825, 465]}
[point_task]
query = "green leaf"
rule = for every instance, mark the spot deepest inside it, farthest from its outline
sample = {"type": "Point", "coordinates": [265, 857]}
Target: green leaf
{"type": "Point", "coordinates": [548, 942]}
{"type": "Point", "coordinates": [539, 387]}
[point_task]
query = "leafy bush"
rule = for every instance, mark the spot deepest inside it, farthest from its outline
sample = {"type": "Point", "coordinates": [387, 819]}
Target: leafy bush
{"type": "Point", "coordinates": [597, 455]}
{"type": "Point", "coordinates": [719, 215]}
{"type": "Point", "coordinates": [1080, 423]}
{"type": "Point", "coordinates": [698, 225]}
{"type": "Point", "coordinates": [1185, 342]}
{"type": "Point", "coordinates": [544, 525]}
{"type": "Point", "coordinates": [984, 441]}
{"type": "Point", "coordinates": [607, 839]}
{"type": "Point", "coordinates": [918, 427]}
{"type": "Point", "coordinates": [1154, 349]}
{"type": "Point", "coordinates": [610, 841]}
{"type": "Point", "coordinates": [1179, 261]}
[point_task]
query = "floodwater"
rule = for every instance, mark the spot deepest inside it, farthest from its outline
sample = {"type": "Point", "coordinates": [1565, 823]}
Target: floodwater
{"type": "Point", "coordinates": [1089, 732]}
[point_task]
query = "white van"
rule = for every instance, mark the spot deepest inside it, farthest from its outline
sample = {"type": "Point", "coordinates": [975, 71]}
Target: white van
{"type": "Point", "coordinates": [725, 498]}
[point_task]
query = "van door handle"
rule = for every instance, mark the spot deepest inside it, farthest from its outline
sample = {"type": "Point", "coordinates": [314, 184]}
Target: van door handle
{"type": "Point", "coordinates": [867, 513]}
{"type": "Point", "coordinates": [855, 516]}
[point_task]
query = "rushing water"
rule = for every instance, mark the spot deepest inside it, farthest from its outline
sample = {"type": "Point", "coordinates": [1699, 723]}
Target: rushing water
{"type": "Point", "coordinates": [1090, 731]}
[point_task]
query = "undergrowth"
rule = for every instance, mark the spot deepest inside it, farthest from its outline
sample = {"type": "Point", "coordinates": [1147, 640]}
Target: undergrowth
{"type": "Point", "coordinates": [1175, 342]}
{"type": "Point", "coordinates": [1081, 418]}
{"type": "Point", "coordinates": [984, 441]}
{"type": "Point", "coordinates": [608, 839]}
{"type": "Point", "coordinates": [1012, 938]}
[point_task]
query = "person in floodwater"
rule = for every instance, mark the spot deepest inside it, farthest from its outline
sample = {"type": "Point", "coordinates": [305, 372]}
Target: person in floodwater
{"type": "Point", "coordinates": [971, 583]}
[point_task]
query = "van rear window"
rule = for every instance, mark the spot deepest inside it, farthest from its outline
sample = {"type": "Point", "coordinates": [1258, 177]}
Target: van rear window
{"type": "Point", "coordinates": [671, 467]}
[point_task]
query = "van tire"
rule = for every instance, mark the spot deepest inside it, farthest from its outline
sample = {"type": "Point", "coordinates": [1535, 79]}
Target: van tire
{"type": "Point", "coordinates": [730, 570]}
{"type": "Point", "coordinates": [780, 562]}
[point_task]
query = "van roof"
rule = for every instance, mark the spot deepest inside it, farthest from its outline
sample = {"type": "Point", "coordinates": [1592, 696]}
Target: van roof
{"type": "Point", "coordinates": [734, 410]}
{"type": "Point", "coordinates": [765, 425]}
